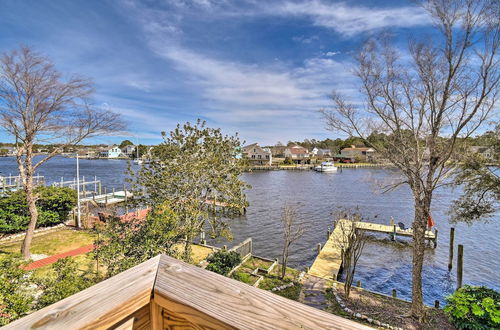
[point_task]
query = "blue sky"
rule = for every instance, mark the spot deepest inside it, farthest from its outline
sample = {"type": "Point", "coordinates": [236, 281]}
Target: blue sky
{"type": "Point", "coordinates": [260, 68]}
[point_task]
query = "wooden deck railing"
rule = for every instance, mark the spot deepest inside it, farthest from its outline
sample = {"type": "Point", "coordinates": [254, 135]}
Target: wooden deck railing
{"type": "Point", "coordinates": [165, 293]}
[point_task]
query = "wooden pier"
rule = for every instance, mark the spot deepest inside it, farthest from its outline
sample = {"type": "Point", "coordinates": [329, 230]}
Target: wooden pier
{"type": "Point", "coordinates": [109, 199]}
{"type": "Point", "coordinates": [328, 263]}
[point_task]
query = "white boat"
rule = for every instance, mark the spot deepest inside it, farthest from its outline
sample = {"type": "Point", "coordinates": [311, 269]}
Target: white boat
{"type": "Point", "coordinates": [326, 167]}
{"type": "Point", "coordinates": [138, 161]}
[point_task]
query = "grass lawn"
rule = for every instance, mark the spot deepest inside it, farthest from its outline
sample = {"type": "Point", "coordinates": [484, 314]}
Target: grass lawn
{"type": "Point", "coordinates": [53, 242]}
{"type": "Point", "coordinates": [198, 252]}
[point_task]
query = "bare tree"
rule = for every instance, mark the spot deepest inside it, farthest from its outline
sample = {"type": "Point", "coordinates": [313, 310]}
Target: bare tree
{"type": "Point", "coordinates": [38, 106]}
{"type": "Point", "coordinates": [292, 231]}
{"type": "Point", "coordinates": [351, 242]}
{"type": "Point", "coordinates": [422, 104]}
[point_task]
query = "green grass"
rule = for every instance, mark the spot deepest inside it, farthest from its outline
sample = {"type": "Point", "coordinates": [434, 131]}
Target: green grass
{"type": "Point", "coordinates": [53, 242]}
{"type": "Point", "coordinates": [244, 277]}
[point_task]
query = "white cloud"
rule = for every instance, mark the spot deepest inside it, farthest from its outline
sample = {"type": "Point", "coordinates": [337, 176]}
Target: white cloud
{"type": "Point", "coordinates": [331, 53]}
{"type": "Point", "coordinates": [349, 19]}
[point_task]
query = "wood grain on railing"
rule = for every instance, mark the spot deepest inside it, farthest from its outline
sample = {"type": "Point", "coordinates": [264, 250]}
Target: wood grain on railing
{"type": "Point", "coordinates": [100, 306]}
{"type": "Point", "coordinates": [195, 298]}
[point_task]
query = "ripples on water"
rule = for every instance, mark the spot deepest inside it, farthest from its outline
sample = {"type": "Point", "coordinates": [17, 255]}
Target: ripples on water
{"type": "Point", "coordinates": [384, 264]}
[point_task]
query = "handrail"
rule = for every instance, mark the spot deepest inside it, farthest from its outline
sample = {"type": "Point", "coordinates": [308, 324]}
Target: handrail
{"type": "Point", "coordinates": [168, 293]}
{"type": "Point", "coordinates": [100, 306]}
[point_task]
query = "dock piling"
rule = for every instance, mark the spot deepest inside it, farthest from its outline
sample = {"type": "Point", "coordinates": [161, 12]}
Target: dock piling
{"type": "Point", "coordinates": [460, 261]}
{"type": "Point", "coordinates": [435, 238]}
{"type": "Point", "coordinates": [319, 247]}
{"type": "Point", "coordinates": [394, 233]}
{"type": "Point", "coordinates": [358, 283]}
{"type": "Point", "coordinates": [394, 293]}
{"type": "Point", "coordinates": [452, 243]}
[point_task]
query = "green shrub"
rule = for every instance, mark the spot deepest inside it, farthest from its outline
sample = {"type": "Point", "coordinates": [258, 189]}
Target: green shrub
{"type": "Point", "coordinates": [221, 262]}
{"type": "Point", "coordinates": [65, 281]}
{"type": "Point", "coordinates": [473, 307]}
{"type": "Point", "coordinates": [243, 277]}
{"type": "Point", "coordinates": [53, 205]}
{"type": "Point", "coordinates": [15, 297]}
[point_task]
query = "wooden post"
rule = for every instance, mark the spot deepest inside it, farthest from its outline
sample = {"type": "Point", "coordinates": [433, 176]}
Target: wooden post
{"type": "Point", "coordinates": [452, 243]}
{"type": "Point", "coordinates": [358, 284]}
{"type": "Point", "coordinates": [392, 221]}
{"type": "Point", "coordinates": [435, 238]}
{"type": "Point", "coordinates": [460, 261]}
{"type": "Point", "coordinates": [100, 191]}
{"type": "Point", "coordinates": [436, 303]}
{"type": "Point", "coordinates": [329, 233]}
{"type": "Point", "coordinates": [224, 247]}
{"type": "Point", "coordinates": [394, 293]}
{"type": "Point", "coordinates": [319, 248]}
{"type": "Point", "coordinates": [113, 193]}
{"type": "Point", "coordinates": [394, 233]}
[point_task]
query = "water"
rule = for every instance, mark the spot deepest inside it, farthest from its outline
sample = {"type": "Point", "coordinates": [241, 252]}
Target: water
{"type": "Point", "coordinates": [383, 266]}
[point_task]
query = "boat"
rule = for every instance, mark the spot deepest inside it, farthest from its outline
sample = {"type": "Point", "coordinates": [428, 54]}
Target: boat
{"type": "Point", "coordinates": [138, 161]}
{"type": "Point", "coordinates": [326, 167]}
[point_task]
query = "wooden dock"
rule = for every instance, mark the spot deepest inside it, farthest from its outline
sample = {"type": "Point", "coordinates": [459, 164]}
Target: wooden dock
{"type": "Point", "coordinates": [328, 263]}
{"type": "Point", "coordinates": [109, 199]}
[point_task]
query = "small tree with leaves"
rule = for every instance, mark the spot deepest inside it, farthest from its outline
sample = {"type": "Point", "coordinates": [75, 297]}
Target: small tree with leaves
{"type": "Point", "coordinates": [38, 106]}
{"type": "Point", "coordinates": [122, 244]}
{"type": "Point", "coordinates": [292, 231]}
{"type": "Point", "coordinates": [193, 170]}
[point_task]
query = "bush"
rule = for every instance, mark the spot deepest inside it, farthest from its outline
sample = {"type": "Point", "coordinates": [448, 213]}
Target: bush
{"type": "Point", "coordinates": [66, 281]}
{"type": "Point", "coordinates": [15, 298]}
{"type": "Point", "coordinates": [473, 307]}
{"type": "Point", "coordinates": [53, 204]}
{"type": "Point", "coordinates": [221, 262]}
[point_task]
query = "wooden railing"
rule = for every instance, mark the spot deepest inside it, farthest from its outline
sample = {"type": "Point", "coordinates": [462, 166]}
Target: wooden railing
{"type": "Point", "coordinates": [165, 293]}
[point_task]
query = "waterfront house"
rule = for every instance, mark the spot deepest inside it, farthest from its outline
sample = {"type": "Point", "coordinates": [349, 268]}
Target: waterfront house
{"type": "Point", "coordinates": [297, 154]}
{"type": "Point", "coordinates": [10, 151]}
{"type": "Point", "coordinates": [359, 153]}
{"type": "Point", "coordinates": [111, 152]}
{"type": "Point", "coordinates": [257, 155]}
{"type": "Point", "coordinates": [321, 153]}
{"type": "Point", "coordinates": [487, 152]}
{"type": "Point", "coordinates": [129, 151]}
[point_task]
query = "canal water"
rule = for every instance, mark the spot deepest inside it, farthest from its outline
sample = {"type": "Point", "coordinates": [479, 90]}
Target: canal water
{"type": "Point", "coordinates": [384, 265]}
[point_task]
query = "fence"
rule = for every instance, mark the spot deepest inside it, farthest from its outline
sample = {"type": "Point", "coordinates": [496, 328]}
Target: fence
{"type": "Point", "coordinates": [244, 248]}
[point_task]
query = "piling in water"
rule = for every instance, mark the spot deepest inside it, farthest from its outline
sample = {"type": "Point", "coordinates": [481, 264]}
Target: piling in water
{"type": "Point", "coordinates": [452, 243]}
{"type": "Point", "coordinates": [460, 261]}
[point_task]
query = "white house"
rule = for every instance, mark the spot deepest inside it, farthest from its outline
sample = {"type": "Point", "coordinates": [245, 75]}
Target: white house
{"type": "Point", "coordinates": [111, 152]}
{"type": "Point", "coordinates": [321, 152]}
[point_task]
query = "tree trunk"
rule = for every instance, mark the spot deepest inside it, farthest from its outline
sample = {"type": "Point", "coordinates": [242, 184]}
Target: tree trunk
{"type": "Point", "coordinates": [32, 210]}
{"type": "Point", "coordinates": [285, 261]}
{"type": "Point", "coordinates": [419, 226]}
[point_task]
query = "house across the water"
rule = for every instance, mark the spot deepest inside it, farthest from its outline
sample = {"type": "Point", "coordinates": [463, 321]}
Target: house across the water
{"type": "Point", "coordinates": [257, 155]}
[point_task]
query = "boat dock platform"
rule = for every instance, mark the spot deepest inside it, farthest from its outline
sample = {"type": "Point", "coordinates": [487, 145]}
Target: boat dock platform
{"type": "Point", "coordinates": [328, 263]}
{"type": "Point", "coordinates": [109, 199]}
